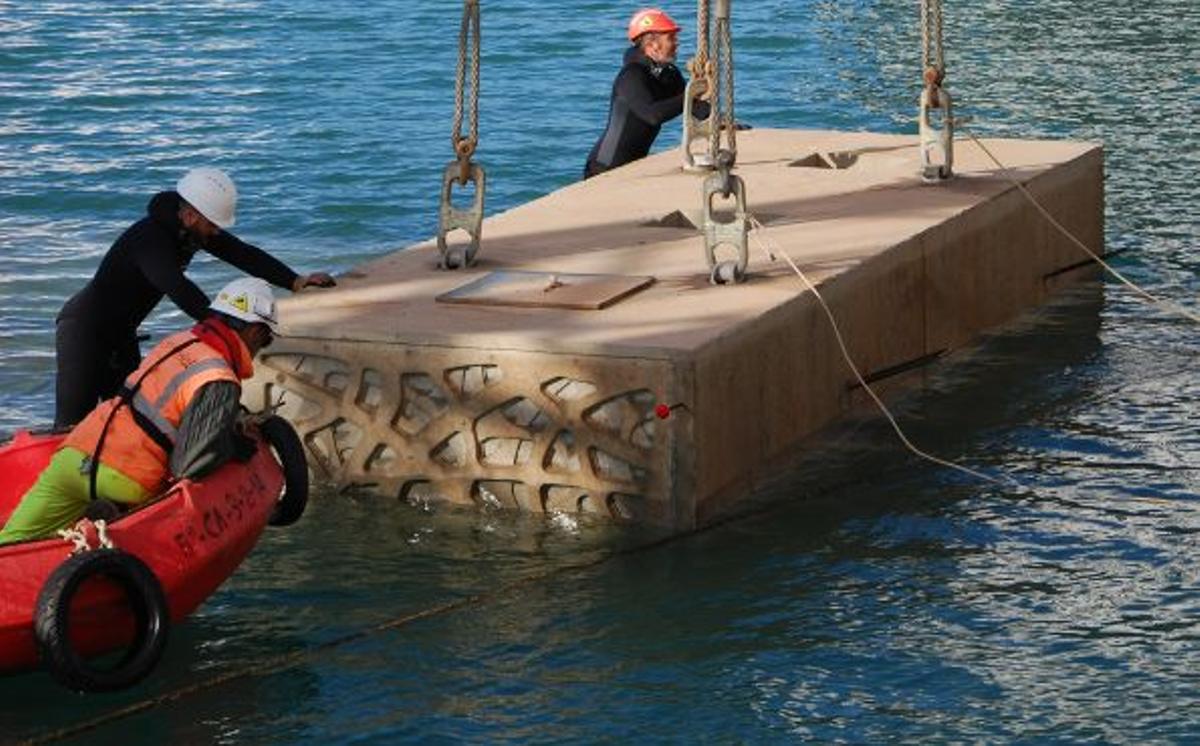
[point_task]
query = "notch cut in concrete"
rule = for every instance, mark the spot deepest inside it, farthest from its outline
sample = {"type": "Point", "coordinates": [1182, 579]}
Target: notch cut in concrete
{"type": "Point", "coordinates": [833, 160]}
{"type": "Point", "coordinates": [577, 291]}
{"type": "Point", "coordinates": [693, 220]}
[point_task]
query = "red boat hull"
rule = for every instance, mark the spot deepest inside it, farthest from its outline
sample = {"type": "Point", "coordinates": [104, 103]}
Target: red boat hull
{"type": "Point", "coordinates": [192, 538]}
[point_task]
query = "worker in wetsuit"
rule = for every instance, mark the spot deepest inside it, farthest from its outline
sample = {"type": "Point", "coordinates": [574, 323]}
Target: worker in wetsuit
{"type": "Point", "coordinates": [647, 93]}
{"type": "Point", "coordinates": [96, 336]}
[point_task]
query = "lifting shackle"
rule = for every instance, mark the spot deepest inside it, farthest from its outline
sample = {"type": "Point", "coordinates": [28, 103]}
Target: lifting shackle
{"type": "Point", "coordinates": [462, 170]}
{"type": "Point", "coordinates": [732, 233]}
{"type": "Point", "coordinates": [937, 142]}
{"type": "Point", "coordinates": [935, 119]}
{"type": "Point", "coordinates": [722, 155]}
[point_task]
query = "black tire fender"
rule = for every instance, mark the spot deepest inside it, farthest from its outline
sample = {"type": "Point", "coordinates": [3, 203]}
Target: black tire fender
{"type": "Point", "coordinates": [52, 623]}
{"type": "Point", "coordinates": [283, 439]}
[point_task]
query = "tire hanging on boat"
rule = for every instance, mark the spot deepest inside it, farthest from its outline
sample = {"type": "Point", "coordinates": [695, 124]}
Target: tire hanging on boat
{"type": "Point", "coordinates": [52, 623]}
{"type": "Point", "coordinates": [283, 439]}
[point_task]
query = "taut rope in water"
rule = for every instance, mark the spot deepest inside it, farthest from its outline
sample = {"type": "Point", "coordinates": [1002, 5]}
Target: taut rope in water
{"type": "Point", "coordinates": [1006, 172]}
{"type": "Point", "coordinates": [771, 255]}
{"type": "Point", "coordinates": [284, 661]}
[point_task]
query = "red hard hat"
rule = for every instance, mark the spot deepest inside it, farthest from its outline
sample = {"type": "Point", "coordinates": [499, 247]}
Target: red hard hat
{"type": "Point", "coordinates": [649, 20]}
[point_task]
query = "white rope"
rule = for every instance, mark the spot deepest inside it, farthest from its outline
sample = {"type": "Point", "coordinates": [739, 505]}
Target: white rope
{"type": "Point", "coordinates": [468, 65]}
{"type": "Point", "coordinates": [771, 255]}
{"type": "Point", "coordinates": [77, 536]}
{"type": "Point", "coordinates": [102, 540]}
{"type": "Point", "coordinates": [1005, 171]}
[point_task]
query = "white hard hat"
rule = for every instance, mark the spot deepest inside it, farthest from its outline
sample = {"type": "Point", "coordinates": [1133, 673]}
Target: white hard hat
{"type": "Point", "coordinates": [211, 192]}
{"type": "Point", "coordinates": [249, 299]}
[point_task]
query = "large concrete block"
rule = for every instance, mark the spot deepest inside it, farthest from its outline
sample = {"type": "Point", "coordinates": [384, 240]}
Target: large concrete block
{"type": "Point", "coordinates": [555, 409]}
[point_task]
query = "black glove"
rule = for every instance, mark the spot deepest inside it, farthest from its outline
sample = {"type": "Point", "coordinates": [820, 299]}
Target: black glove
{"type": "Point", "coordinates": [244, 447]}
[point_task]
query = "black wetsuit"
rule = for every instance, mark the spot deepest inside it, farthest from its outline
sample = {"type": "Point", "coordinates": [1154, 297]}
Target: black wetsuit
{"type": "Point", "coordinates": [645, 95]}
{"type": "Point", "coordinates": [97, 328]}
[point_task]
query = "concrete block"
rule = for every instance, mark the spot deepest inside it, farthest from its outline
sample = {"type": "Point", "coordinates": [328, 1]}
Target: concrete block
{"type": "Point", "coordinates": [554, 409]}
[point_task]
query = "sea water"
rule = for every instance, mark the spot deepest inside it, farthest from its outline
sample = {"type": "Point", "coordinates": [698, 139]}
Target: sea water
{"type": "Point", "coordinates": [869, 597]}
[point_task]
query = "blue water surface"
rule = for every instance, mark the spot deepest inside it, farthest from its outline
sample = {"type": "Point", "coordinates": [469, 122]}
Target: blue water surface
{"type": "Point", "coordinates": [873, 598]}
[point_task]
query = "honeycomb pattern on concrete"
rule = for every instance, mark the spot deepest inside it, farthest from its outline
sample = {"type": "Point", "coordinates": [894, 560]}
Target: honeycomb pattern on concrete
{"type": "Point", "coordinates": [471, 433]}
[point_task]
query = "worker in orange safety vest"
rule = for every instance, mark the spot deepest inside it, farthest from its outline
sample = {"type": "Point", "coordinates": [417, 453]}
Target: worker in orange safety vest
{"type": "Point", "coordinates": [176, 415]}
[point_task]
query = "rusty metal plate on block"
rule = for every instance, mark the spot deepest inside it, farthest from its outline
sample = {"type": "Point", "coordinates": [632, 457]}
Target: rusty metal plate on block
{"type": "Point", "coordinates": [546, 289]}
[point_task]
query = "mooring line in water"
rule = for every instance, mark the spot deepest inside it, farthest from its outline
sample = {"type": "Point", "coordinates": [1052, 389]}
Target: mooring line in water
{"type": "Point", "coordinates": [284, 661]}
{"type": "Point", "coordinates": [1166, 305]}
{"type": "Point", "coordinates": [772, 255]}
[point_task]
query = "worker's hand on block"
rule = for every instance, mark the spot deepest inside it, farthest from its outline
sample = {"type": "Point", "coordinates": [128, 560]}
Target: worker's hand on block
{"type": "Point", "coordinates": [314, 280]}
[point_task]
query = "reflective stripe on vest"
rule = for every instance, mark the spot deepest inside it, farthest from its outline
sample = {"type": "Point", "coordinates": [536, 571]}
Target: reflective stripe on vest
{"type": "Point", "coordinates": [150, 417]}
{"type": "Point", "coordinates": [141, 435]}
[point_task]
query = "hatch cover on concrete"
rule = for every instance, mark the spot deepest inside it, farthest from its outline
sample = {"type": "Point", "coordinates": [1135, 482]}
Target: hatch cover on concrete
{"type": "Point", "coordinates": [546, 290]}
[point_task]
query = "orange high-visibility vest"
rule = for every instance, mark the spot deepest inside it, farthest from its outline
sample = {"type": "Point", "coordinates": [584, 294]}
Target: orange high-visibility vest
{"type": "Point", "coordinates": [140, 450]}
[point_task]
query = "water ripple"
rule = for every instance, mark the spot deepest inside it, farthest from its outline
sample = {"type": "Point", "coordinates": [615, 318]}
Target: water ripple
{"type": "Point", "coordinates": [880, 600]}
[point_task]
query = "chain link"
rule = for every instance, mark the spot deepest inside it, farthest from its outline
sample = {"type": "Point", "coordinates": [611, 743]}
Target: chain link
{"type": "Point", "coordinates": [933, 56]}
{"type": "Point", "coordinates": [77, 536]}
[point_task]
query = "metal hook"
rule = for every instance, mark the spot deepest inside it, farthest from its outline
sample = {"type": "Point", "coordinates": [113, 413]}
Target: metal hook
{"type": "Point", "coordinates": [694, 129]}
{"type": "Point", "coordinates": [733, 233]}
{"type": "Point", "coordinates": [937, 144]}
{"type": "Point", "coordinates": [451, 218]}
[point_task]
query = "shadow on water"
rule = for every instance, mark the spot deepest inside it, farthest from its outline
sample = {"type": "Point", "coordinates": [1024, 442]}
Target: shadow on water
{"type": "Point", "coordinates": [535, 656]}
{"type": "Point", "coordinates": [867, 597]}
{"type": "Point", "coordinates": [352, 565]}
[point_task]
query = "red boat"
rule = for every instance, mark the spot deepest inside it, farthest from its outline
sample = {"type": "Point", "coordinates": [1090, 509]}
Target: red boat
{"type": "Point", "coordinates": [119, 585]}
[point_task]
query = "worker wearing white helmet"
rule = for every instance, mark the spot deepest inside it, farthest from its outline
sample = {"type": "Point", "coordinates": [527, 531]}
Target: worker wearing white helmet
{"type": "Point", "coordinates": [177, 417]}
{"type": "Point", "coordinates": [96, 336]}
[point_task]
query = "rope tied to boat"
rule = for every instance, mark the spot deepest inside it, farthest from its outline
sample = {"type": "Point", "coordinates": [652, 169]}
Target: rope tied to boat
{"type": "Point", "coordinates": [1165, 304]}
{"type": "Point", "coordinates": [463, 170]}
{"type": "Point", "coordinates": [78, 536]}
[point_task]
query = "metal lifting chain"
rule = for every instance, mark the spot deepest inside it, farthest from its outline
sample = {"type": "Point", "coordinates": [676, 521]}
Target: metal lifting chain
{"type": "Point", "coordinates": [734, 232]}
{"type": "Point", "coordinates": [932, 51]}
{"type": "Point", "coordinates": [702, 74]}
{"type": "Point", "coordinates": [462, 170]}
{"type": "Point", "coordinates": [937, 144]}
{"type": "Point", "coordinates": [722, 91]}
